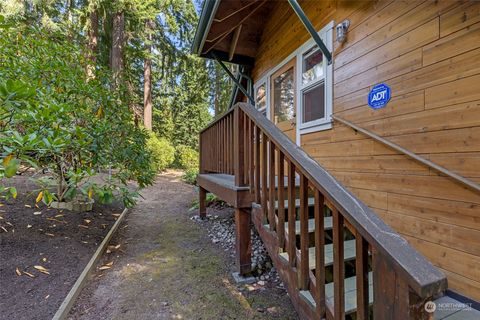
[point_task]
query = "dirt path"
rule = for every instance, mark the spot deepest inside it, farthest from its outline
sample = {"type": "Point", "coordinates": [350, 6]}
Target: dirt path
{"type": "Point", "coordinates": [168, 268]}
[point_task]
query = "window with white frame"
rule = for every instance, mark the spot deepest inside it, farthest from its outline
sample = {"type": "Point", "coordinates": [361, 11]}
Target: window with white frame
{"type": "Point", "coordinates": [314, 89]}
{"type": "Point", "coordinates": [314, 96]}
{"type": "Point", "coordinates": [261, 96]}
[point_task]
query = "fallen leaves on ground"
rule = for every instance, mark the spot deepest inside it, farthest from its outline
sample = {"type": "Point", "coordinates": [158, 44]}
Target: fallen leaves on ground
{"type": "Point", "coordinates": [112, 248]}
{"type": "Point", "coordinates": [3, 228]}
{"type": "Point", "coordinates": [39, 197]}
{"type": "Point", "coordinates": [56, 220]}
{"type": "Point", "coordinates": [42, 269]}
{"type": "Point", "coordinates": [29, 274]}
{"type": "Point", "coordinates": [50, 234]}
{"type": "Point", "coordinates": [83, 226]}
{"type": "Point", "coordinates": [36, 213]}
{"type": "Point", "coordinates": [18, 272]}
{"type": "Point", "coordinates": [106, 266]}
{"type": "Point", "coordinates": [87, 221]}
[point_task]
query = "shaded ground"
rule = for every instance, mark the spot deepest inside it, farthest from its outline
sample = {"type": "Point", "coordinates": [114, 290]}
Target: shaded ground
{"type": "Point", "coordinates": [61, 242]}
{"type": "Point", "coordinates": [170, 269]}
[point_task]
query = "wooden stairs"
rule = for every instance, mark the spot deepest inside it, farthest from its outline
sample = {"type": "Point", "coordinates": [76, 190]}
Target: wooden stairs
{"type": "Point", "coordinates": [337, 259]}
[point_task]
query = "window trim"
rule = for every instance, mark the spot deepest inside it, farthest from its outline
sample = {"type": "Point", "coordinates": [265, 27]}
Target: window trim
{"type": "Point", "coordinates": [325, 123]}
{"type": "Point", "coordinates": [263, 81]}
{"type": "Point", "coordinates": [326, 34]}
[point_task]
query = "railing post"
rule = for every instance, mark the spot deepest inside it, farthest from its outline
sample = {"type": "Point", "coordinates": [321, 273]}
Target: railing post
{"type": "Point", "coordinates": [390, 292]}
{"type": "Point", "coordinates": [201, 155]}
{"type": "Point", "coordinates": [238, 147]}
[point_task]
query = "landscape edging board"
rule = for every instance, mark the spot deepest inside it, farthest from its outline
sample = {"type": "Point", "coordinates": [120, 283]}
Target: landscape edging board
{"type": "Point", "coordinates": [67, 304]}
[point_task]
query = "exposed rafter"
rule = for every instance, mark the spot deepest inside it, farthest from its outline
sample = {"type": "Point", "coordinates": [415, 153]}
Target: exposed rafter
{"type": "Point", "coordinates": [223, 35]}
{"type": "Point", "coordinates": [233, 44]}
{"type": "Point", "coordinates": [234, 13]}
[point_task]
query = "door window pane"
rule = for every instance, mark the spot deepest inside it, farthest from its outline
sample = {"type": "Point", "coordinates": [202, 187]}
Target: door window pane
{"type": "Point", "coordinates": [312, 68]}
{"type": "Point", "coordinates": [283, 96]}
{"type": "Point", "coordinates": [314, 103]}
{"type": "Point", "coordinates": [261, 97]}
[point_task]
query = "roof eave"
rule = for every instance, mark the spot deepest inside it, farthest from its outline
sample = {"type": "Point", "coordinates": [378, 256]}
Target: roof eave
{"type": "Point", "coordinates": [209, 10]}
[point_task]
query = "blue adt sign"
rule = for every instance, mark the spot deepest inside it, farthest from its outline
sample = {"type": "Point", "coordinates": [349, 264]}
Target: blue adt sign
{"type": "Point", "coordinates": [379, 96]}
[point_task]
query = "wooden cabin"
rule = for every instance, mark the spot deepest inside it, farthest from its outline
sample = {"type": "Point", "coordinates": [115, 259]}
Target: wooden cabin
{"type": "Point", "coordinates": [353, 146]}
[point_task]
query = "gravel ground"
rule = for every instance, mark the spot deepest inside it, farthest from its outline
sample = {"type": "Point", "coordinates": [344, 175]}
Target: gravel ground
{"type": "Point", "coordinates": [221, 230]}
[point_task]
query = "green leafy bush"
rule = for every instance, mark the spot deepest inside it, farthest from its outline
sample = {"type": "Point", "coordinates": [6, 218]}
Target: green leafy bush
{"type": "Point", "coordinates": [190, 176]}
{"type": "Point", "coordinates": [186, 157]}
{"type": "Point", "coordinates": [210, 200]}
{"type": "Point", "coordinates": [55, 118]}
{"type": "Point", "coordinates": [162, 151]}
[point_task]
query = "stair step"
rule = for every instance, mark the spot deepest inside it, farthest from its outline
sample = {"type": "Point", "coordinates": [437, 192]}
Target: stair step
{"type": "Point", "coordinates": [348, 254]}
{"type": "Point", "coordinates": [327, 224]}
{"type": "Point", "coordinates": [350, 294]}
{"type": "Point", "coordinates": [311, 203]}
{"type": "Point", "coordinates": [285, 181]}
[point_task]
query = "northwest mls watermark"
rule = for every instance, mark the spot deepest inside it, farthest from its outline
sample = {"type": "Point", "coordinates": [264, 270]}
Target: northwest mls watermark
{"type": "Point", "coordinates": [431, 306]}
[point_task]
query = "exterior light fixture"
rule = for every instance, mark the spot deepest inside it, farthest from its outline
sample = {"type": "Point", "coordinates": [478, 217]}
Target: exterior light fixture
{"type": "Point", "coordinates": [342, 28]}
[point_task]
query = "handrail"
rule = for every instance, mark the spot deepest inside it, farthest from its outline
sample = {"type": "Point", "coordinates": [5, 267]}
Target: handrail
{"type": "Point", "coordinates": [469, 183]}
{"type": "Point", "coordinates": [213, 122]}
{"type": "Point", "coordinates": [423, 278]}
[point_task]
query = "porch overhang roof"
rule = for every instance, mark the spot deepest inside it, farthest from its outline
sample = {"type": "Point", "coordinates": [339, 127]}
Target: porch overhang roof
{"type": "Point", "coordinates": [230, 30]}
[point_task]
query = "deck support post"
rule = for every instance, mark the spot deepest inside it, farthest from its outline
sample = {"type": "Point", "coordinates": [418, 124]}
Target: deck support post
{"type": "Point", "coordinates": [243, 241]}
{"type": "Point", "coordinates": [202, 203]}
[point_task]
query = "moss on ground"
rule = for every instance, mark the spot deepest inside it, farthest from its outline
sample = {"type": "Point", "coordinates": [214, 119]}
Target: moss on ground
{"type": "Point", "coordinates": [202, 289]}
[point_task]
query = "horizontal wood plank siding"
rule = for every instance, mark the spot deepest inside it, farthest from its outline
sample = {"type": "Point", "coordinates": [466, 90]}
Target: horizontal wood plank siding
{"type": "Point", "coordinates": [428, 52]}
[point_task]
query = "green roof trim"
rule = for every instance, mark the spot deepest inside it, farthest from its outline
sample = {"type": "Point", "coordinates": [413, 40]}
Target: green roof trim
{"type": "Point", "coordinates": [209, 9]}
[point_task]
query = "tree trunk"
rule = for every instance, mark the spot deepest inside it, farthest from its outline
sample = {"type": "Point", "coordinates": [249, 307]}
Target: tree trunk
{"type": "Point", "coordinates": [147, 77]}
{"type": "Point", "coordinates": [92, 43]}
{"type": "Point", "coordinates": [216, 102]}
{"type": "Point", "coordinates": [118, 40]}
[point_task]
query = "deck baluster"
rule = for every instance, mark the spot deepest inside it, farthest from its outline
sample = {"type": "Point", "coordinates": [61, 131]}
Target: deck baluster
{"type": "Point", "coordinates": [319, 252]}
{"type": "Point", "coordinates": [271, 186]}
{"type": "Point", "coordinates": [281, 200]}
{"type": "Point", "coordinates": [257, 165]}
{"type": "Point", "coordinates": [361, 269]}
{"type": "Point", "coordinates": [338, 266]}
{"type": "Point", "coordinates": [251, 154]}
{"type": "Point", "coordinates": [292, 246]}
{"type": "Point", "coordinates": [304, 236]}
{"type": "Point", "coordinates": [264, 159]}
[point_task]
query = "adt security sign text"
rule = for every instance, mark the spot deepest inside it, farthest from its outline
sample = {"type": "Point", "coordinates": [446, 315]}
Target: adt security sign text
{"type": "Point", "coordinates": [379, 96]}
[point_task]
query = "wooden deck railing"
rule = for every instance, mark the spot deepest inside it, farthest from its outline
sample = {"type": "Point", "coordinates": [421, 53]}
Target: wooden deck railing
{"type": "Point", "coordinates": [216, 145]}
{"type": "Point", "coordinates": [403, 280]}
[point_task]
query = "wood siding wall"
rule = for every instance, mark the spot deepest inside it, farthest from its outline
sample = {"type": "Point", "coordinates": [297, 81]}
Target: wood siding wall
{"type": "Point", "coordinates": [428, 52]}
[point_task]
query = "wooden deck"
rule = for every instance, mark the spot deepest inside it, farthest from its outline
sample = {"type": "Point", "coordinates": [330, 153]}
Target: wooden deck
{"type": "Point", "coordinates": [334, 254]}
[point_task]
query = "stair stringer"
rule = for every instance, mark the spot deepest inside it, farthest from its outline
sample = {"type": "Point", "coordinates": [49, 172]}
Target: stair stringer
{"type": "Point", "coordinates": [287, 274]}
